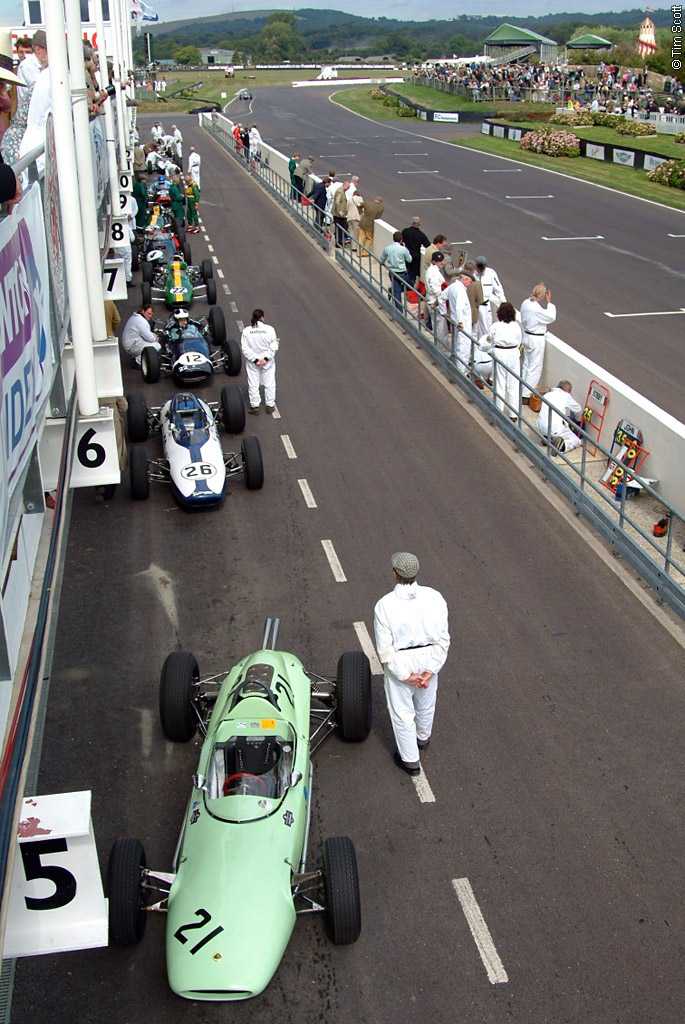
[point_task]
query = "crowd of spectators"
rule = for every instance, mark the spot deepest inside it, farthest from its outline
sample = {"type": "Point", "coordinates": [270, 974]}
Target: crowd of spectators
{"type": "Point", "coordinates": [26, 97]}
{"type": "Point", "coordinates": [613, 89]}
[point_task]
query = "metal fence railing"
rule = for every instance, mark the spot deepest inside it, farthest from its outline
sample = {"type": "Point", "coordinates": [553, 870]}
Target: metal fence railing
{"type": "Point", "coordinates": [454, 352]}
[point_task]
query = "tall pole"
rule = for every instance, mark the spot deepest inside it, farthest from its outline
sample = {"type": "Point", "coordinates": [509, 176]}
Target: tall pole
{"type": "Point", "coordinates": [86, 176]}
{"type": "Point", "coordinates": [74, 257]}
{"type": "Point", "coordinates": [109, 114]}
{"type": "Point", "coordinates": [118, 95]}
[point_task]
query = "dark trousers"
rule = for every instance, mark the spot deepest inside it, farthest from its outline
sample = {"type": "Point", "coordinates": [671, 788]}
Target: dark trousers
{"type": "Point", "coordinates": [298, 184]}
{"type": "Point", "coordinates": [399, 283]}
{"type": "Point", "coordinates": [340, 230]}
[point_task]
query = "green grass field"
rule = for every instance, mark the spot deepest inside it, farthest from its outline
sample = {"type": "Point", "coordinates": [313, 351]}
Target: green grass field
{"type": "Point", "coordinates": [360, 102]}
{"type": "Point", "coordinates": [436, 99]}
{"type": "Point", "coordinates": [214, 83]}
{"type": "Point", "coordinates": [661, 144]}
{"type": "Point", "coordinates": [635, 183]}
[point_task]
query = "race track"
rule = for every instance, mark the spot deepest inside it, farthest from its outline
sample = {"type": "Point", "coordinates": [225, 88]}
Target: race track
{"type": "Point", "coordinates": [555, 764]}
{"type": "Point", "coordinates": [636, 267]}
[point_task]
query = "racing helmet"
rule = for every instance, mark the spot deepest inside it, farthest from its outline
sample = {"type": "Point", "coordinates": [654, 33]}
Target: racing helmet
{"type": "Point", "coordinates": [154, 256]}
{"type": "Point", "coordinates": [180, 314]}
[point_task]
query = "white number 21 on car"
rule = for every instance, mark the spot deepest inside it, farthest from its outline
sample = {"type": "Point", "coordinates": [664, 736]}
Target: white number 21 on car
{"type": "Point", "coordinates": [56, 899]}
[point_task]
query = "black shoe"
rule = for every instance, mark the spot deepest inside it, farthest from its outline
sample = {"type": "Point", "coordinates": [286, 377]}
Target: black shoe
{"type": "Point", "coordinates": [410, 767]}
{"type": "Point", "coordinates": [254, 410]}
{"type": "Point", "coordinates": [269, 408]}
{"type": "Point", "coordinates": [422, 744]}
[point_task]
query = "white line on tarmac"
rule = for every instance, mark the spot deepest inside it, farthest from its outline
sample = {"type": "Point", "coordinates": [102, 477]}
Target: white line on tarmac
{"type": "Point", "coordinates": [366, 644]}
{"type": "Point", "coordinates": [467, 241]}
{"type": "Point", "coordinates": [502, 170]}
{"type": "Point", "coordinates": [665, 312]}
{"type": "Point", "coordinates": [571, 238]}
{"type": "Point", "coordinates": [210, 248]}
{"type": "Point", "coordinates": [206, 238]}
{"type": "Point", "coordinates": [220, 273]}
{"type": "Point", "coordinates": [215, 260]}
{"type": "Point", "coordinates": [334, 562]}
{"type": "Point", "coordinates": [422, 787]}
{"type": "Point", "coordinates": [530, 197]}
{"type": "Point", "coordinates": [288, 445]}
{"type": "Point", "coordinates": [307, 494]}
{"type": "Point", "coordinates": [234, 307]}
{"type": "Point", "coordinates": [276, 414]}
{"type": "Point", "coordinates": [227, 290]}
{"type": "Point", "coordinates": [335, 156]}
{"type": "Point", "coordinates": [480, 931]}
{"type": "Point", "coordinates": [433, 199]}
{"type": "Point", "coordinates": [240, 325]}
{"type": "Point", "coordinates": [675, 236]}
{"type": "Point", "coordinates": [410, 154]}
{"type": "Point", "coordinates": [418, 172]}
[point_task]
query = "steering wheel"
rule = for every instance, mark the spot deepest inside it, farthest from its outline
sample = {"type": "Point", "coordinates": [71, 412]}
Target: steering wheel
{"type": "Point", "coordinates": [245, 775]}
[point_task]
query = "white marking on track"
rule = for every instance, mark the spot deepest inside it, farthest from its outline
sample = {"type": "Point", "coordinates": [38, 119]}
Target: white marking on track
{"type": "Point", "coordinates": [410, 154]}
{"type": "Point", "coordinates": [307, 494]}
{"type": "Point", "coordinates": [234, 307]}
{"type": "Point", "coordinates": [665, 312]}
{"type": "Point", "coordinates": [422, 787]}
{"type": "Point", "coordinates": [480, 931]}
{"type": "Point", "coordinates": [571, 238]}
{"type": "Point", "coordinates": [335, 156]}
{"type": "Point", "coordinates": [366, 644]}
{"type": "Point", "coordinates": [210, 248]}
{"type": "Point", "coordinates": [215, 260]}
{"type": "Point", "coordinates": [467, 241]}
{"type": "Point", "coordinates": [417, 172]}
{"type": "Point", "coordinates": [227, 290]}
{"type": "Point", "coordinates": [433, 199]}
{"type": "Point", "coordinates": [502, 170]}
{"type": "Point", "coordinates": [220, 273]}
{"type": "Point", "coordinates": [334, 562]}
{"type": "Point", "coordinates": [240, 325]}
{"type": "Point", "coordinates": [548, 196]}
{"type": "Point", "coordinates": [675, 236]}
{"type": "Point", "coordinates": [276, 414]}
{"type": "Point", "coordinates": [288, 445]}
{"type": "Point", "coordinates": [206, 238]}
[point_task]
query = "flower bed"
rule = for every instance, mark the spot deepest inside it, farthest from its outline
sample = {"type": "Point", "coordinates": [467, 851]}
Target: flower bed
{"type": "Point", "coordinates": [551, 142]}
{"type": "Point", "coordinates": [671, 173]}
{"type": "Point", "coordinates": [635, 128]}
{"type": "Point", "coordinates": [572, 117]}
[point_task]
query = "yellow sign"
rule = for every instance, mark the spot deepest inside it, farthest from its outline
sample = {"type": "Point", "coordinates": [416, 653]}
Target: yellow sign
{"type": "Point", "coordinates": [268, 723]}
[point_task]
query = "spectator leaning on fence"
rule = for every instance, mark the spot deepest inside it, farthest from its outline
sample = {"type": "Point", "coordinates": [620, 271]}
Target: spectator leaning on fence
{"type": "Point", "coordinates": [504, 340]}
{"type": "Point", "coordinates": [415, 240]}
{"type": "Point", "coordinates": [41, 99]}
{"type": "Point", "coordinates": [435, 282]}
{"type": "Point", "coordinates": [397, 258]}
{"type": "Point", "coordinates": [537, 313]}
{"type": "Point", "coordinates": [354, 202]}
{"type": "Point", "coordinates": [370, 211]}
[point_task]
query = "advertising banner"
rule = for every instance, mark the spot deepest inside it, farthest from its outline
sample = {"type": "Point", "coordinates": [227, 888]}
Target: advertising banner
{"type": "Point", "coordinates": [26, 350]}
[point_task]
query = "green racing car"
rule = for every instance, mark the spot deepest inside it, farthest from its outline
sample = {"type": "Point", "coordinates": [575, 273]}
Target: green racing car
{"type": "Point", "coordinates": [240, 875]}
{"type": "Point", "coordinates": [176, 283]}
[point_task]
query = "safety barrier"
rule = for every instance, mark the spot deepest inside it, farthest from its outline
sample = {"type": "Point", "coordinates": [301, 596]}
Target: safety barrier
{"type": "Point", "coordinates": [654, 559]}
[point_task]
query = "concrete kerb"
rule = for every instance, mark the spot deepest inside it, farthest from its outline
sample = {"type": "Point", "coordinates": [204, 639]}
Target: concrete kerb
{"type": "Point", "coordinates": [662, 586]}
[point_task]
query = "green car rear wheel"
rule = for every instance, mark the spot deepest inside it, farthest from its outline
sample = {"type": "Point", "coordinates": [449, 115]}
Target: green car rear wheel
{"type": "Point", "coordinates": [179, 672]}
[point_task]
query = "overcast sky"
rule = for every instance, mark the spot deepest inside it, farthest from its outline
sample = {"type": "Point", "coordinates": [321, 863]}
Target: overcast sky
{"type": "Point", "coordinates": [11, 10]}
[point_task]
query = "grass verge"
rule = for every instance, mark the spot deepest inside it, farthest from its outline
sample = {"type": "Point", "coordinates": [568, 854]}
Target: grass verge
{"type": "Point", "coordinates": [436, 99]}
{"type": "Point", "coordinates": [635, 183]}
{"type": "Point", "coordinates": [359, 102]}
{"type": "Point", "coordinates": [214, 83]}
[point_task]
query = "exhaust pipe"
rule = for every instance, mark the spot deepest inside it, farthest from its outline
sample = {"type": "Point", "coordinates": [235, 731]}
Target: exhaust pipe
{"type": "Point", "coordinates": [271, 628]}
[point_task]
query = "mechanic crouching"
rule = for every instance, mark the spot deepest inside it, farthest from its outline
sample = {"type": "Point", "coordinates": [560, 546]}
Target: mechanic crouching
{"type": "Point", "coordinates": [138, 334]}
{"type": "Point", "coordinates": [259, 345]}
{"type": "Point", "coordinates": [412, 640]}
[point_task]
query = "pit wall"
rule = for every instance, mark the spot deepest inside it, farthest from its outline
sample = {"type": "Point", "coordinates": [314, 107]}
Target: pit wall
{"type": "Point", "coordinates": [664, 435]}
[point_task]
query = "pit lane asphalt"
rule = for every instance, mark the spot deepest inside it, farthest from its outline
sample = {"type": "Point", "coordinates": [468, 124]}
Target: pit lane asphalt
{"type": "Point", "coordinates": [636, 268]}
{"type": "Point", "coordinates": [557, 754]}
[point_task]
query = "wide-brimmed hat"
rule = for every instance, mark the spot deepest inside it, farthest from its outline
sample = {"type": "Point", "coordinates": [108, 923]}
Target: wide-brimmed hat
{"type": "Point", "coordinates": [7, 70]}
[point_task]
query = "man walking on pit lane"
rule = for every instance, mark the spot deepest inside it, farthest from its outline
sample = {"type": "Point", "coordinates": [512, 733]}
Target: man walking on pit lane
{"type": "Point", "coordinates": [412, 640]}
{"type": "Point", "coordinates": [259, 345]}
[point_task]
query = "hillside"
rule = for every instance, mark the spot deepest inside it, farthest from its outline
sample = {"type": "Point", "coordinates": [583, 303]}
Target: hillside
{"type": "Point", "coordinates": [270, 35]}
